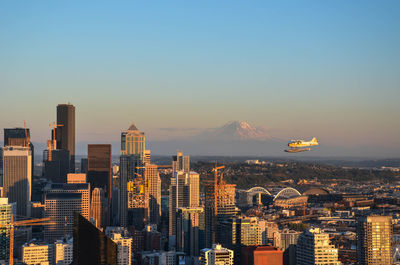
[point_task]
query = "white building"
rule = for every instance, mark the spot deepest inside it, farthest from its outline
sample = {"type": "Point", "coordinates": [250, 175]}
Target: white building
{"type": "Point", "coordinates": [313, 247]}
{"type": "Point", "coordinates": [34, 254]}
{"type": "Point", "coordinates": [124, 244]}
{"type": "Point", "coordinates": [64, 252]}
{"type": "Point", "coordinates": [216, 256]}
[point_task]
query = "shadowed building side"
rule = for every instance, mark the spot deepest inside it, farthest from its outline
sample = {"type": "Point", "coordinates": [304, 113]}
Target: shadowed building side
{"type": "Point", "coordinates": [92, 246]}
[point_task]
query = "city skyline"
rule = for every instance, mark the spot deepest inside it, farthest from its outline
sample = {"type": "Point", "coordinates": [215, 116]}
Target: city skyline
{"type": "Point", "coordinates": [326, 70]}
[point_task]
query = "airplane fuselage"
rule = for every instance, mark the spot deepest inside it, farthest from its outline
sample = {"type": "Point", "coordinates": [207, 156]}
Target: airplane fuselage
{"type": "Point", "coordinates": [301, 143]}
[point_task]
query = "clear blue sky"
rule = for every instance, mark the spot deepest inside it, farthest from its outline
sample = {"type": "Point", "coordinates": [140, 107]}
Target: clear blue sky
{"type": "Point", "coordinates": [301, 68]}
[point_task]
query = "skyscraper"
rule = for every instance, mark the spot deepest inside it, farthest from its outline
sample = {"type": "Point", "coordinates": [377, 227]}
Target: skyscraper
{"type": "Point", "coordinates": [61, 201]}
{"type": "Point", "coordinates": [190, 230]}
{"type": "Point", "coordinates": [19, 137]}
{"type": "Point", "coordinates": [99, 167]}
{"type": "Point", "coordinates": [98, 207]}
{"type": "Point", "coordinates": [92, 246]}
{"type": "Point", "coordinates": [180, 162]}
{"type": "Point", "coordinates": [132, 194]}
{"type": "Point", "coordinates": [133, 142]}
{"type": "Point", "coordinates": [183, 192]}
{"type": "Point", "coordinates": [154, 192]}
{"type": "Point", "coordinates": [374, 236]}
{"type": "Point", "coordinates": [219, 206]}
{"type": "Point", "coordinates": [217, 255]}
{"type": "Point", "coordinates": [313, 247]}
{"type": "Point", "coordinates": [17, 177]}
{"type": "Point", "coordinates": [65, 132]}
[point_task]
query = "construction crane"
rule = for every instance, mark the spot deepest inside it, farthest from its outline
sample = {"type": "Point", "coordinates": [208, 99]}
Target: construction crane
{"type": "Point", "coordinates": [13, 224]}
{"type": "Point", "coordinates": [52, 144]}
{"type": "Point", "coordinates": [27, 136]}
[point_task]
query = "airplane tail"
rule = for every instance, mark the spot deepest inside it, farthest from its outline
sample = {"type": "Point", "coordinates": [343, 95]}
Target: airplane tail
{"type": "Point", "coordinates": [314, 140]}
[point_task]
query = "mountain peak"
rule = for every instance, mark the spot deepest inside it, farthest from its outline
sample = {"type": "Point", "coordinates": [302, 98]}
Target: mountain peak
{"type": "Point", "coordinates": [237, 130]}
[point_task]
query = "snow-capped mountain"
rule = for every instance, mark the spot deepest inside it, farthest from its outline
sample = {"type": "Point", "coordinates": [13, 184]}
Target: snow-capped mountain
{"type": "Point", "coordinates": [236, 130]}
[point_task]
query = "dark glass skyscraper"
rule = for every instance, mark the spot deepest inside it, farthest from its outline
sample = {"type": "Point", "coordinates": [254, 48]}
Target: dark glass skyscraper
{"type": "Point", "coordinates": [66, 133]}
{"type": "Point", "coordinates": [92, 246]}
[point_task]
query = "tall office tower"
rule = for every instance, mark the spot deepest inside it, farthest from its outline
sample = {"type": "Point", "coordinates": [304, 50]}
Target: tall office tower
{"type": "Point", "coordinates": [236, 233]}
{"type": "Point", "coordinates": [98, 207]}
{"type": "Point", "coordinates": [180, 162]}
{"type": "Point", "coordinates": [374, 237]}
{"type": "Point", "coordinates": [36, 253]}
{"type": "Point", "coordinates": [99, 167]}
{"type": "Point", "coordinates": [63, 251]}
{"type": "Point", "coordinates": [133, 142]}
{"type": "Point", "coordinates": [219, 206]}
{"type": "Point", "coordinates": [190, 230]}
{"type": "Point", "coordinates": [19, 137]}
{"type": "Point", "coordinates": [183, 192]}
{"type": "Point", "coordinates": [217, 255]}
{"type": "Point", "coordinates": [132, 193]}
{"type": "Point", "coordinates": [124, 247]}
{"type": "Point", "coordinates": [65, 132]}
{"type": "Point", "coordinates": [261, 255]}
{"type": "Point", "coordinates": [17, 177]}
{"type": "Point", "coordinates": [61, 201]}
{"type": "Point", "coordinates": [92, 246]}
{"type": "Point", "coordinates": [6, 209]}
{"type": "Point", "coordinates": [154, 192]}
{"type": "Point", "coordinates": [313, 247]}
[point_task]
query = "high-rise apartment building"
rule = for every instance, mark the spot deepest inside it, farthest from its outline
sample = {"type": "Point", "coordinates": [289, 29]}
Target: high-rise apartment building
{"type": "Point", "coordinates": [92, 246]}
{"type": "Point", "coordinates": [180, 162]}
{"type": "Point", "coordinates": [98, 207]}
{"type": "Point", "coordinates": [261, 255]}
{"type": "Point", "coordinates": [314, 247]}
{"type": "Point", "coordinates": [190, 230]}
{"type": "Point", "coordinates": [61, 201]}
{"type": "Point", "coordinates": [183, 192]}
{"type": "Point", "coordinates": [65, 132]}
{"type": "Point", "coordinates": [374, 237]}
{"type": "Point", "coordinates": [217, 255]}
{"type": "Point", "coordinates": [6, 210]}
{"type": "Point", "coordinates": [99, 167]}
{"type": "Point", "coordinates": [219, 206]}
{"type": "Point", "coordinates": [154, 192]}
{"type": "Point", "coordinates": [17, 177]}
{"type": "Point", "coordinates": [63, 251]}
{"type": "Point", "coordinates": [133, 142]}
